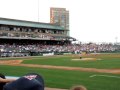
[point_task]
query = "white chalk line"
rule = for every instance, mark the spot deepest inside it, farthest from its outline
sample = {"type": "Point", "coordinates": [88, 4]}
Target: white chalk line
{"type": "Point", "coordinates": [104, 76]}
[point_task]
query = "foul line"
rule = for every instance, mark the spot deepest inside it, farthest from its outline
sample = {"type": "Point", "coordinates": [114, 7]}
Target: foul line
{"type": "Point", "coordinates": [104, 76]}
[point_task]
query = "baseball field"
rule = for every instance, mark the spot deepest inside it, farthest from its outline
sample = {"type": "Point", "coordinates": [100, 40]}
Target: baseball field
{"type": "Point", "coordinates": [95, 71]}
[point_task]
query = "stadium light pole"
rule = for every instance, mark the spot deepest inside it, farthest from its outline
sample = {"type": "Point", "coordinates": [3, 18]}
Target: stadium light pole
{"type": "Point", "coordinates": [38, 10]}
{"type": "Point", "coordinates": [116, 39]}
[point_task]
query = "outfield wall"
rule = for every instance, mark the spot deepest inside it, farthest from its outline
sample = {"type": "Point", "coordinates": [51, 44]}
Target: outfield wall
{"type": "Point", "coordinates": [21, 54]}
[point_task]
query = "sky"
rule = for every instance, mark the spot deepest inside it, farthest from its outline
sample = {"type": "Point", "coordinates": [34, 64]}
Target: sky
{"type": "Point", "coordinates": [90, 20]}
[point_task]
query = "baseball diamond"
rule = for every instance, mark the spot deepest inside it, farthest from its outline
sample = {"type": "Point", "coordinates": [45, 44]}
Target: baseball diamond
{"type": "Point", "coordinates": [61, 66]}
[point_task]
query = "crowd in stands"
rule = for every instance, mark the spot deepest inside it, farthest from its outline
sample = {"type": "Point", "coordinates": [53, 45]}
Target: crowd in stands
{"type": "Point", "coordinates": [73, 48]}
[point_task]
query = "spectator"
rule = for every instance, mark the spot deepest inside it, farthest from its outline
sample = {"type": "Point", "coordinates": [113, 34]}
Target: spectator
{"type": "Point", "coordinates": [79, 87]}
{"type": "Point", "coordinates": [3, 81]}
{"type": "Point", "coordinates": [31, 81]}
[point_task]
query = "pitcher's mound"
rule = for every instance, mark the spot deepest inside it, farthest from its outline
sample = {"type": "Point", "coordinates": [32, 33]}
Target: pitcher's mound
{"type": "Point", "coordinates": [85, 59]}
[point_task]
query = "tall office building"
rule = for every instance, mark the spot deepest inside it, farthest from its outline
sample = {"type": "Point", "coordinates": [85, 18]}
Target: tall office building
{"type": "Point", "coordinates": [60, 16]}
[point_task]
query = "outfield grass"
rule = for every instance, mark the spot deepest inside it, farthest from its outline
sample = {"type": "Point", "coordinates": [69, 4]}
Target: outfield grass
{"type": "Point", "coordinates": [66, 79]}
{"type": "Point", "coordinates": [108, 61]}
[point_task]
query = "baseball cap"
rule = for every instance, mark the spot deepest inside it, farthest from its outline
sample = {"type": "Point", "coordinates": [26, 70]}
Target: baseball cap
{"type": "Point", "coordinates": [30, 81]}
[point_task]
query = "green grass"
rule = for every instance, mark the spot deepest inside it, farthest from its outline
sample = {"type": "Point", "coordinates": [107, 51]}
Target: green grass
{"type": "Point", "coordinates": [108, 61]}
{"type": "Point", "coordinates": [66, 79]}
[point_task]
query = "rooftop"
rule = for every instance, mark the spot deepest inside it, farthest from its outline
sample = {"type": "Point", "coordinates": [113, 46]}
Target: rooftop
{"type": "Point", "coordinates": [25, 23]}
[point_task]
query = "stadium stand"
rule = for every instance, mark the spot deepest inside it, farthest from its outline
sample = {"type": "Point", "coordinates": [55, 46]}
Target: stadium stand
{"type": "Point", "coordinates": [27, 38]}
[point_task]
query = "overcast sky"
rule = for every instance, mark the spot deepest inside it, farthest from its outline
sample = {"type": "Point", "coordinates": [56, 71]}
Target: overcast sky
{"type": "Point", "coordinates": [90, 20]}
